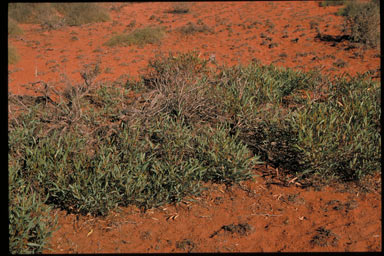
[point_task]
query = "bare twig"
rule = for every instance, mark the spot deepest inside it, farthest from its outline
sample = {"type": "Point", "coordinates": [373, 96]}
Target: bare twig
{"type": "Point", "coordinates": [267, 214]}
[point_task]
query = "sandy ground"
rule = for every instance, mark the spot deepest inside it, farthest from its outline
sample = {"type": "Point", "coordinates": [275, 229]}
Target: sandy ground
{"type": "Point", "coordinates": [255, 217]}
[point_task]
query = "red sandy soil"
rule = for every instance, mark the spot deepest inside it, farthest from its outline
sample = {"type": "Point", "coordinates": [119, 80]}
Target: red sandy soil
{"type": "Point", "coordinates": [256, 216]}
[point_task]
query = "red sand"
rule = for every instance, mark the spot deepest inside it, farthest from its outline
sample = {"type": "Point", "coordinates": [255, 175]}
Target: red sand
{"type": "Point", "coordinates": [257, 218]}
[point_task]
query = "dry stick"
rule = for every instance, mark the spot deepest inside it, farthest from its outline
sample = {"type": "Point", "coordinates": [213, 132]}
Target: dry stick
{"type": "Point", "coordinates": [21, 103]}
{"type": "Point", "coordinates": [267, 214]}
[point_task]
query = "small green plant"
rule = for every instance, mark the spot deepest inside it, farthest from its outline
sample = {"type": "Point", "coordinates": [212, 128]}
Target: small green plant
{"type": "Point", "coordinates": [77, 14]}
{"type": "Point", "coordinates": [132, 24]}
{"type": "Point", "coordinates": [13, 57]}
{"type": "Point", "coordinates": [191, 28]}
{"type": "Point", "coordinates": [179, 8]}
{"type": "Point", "coordinates": [13, 28]}
{"type": "Point", "coordinates": [185, 245]}
{"type": "Point", "coordinates": [140, 37]}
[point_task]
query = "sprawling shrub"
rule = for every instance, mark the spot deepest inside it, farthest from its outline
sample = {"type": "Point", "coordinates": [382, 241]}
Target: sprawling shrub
{"type": "Point", "coordinates": [97, 147]}
{"type": "Point", "coordinates": [180, 86]}
{"type": "Point", "coordinates": [362, 22]}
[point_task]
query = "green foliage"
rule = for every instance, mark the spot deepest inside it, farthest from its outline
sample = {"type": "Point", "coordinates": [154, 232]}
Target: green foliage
{"type": "Point", "coordinates": [96, 148]}
{"type": "Point", "coordinates": [140, 37]}
{"type": "Point", "coordinates": [362, 22]}
{"type": "Point", "coordinates": [255, 100]}
{"type": "Point", "coordinates": [147, 164]}
{"type": "Point", "coordinates": [96, 154]}
{"type": "Point", "coordinates": [29, 222]}
{"type": "Point", "coordinates": [341, 137]}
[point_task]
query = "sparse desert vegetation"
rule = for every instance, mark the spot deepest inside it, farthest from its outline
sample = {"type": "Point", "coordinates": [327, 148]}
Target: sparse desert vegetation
{"type": "Point", "coordinates": [71, 14]}
{"type": "Point", "coordinates": [140, 37]}
{"type": "Point", "coordinates": [191, 132]}
{"type": "Point", "coordinates": [13, 57]}
{"type": "Point", "coordinates": [187, 131]}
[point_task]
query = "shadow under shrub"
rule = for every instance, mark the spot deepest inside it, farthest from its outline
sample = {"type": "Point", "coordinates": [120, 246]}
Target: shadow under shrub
{"type": "Point", "coordinates": [256, 99]}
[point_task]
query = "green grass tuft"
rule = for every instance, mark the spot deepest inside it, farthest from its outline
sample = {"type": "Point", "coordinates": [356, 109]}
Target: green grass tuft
{"type": "Point", "coordinates": [140, 37]}
{"type": "Point", "coordinates": [191, 28]}
{"type": "Point", "coordinates": [13, 28]}
{"type": "Point", "coordinates": [13, 57]}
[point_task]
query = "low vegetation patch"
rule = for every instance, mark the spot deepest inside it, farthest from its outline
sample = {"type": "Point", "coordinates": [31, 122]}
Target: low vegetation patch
{"type": "Point", "coordinates": [191, 28]}
{"type": "Point", "coordinates": [362, 22]}
{"type": "Point", "coordinates": [54, 15]}
{"type": "Point", "coordinates": [98, 148]}
{"type": "Point", "coordinates": [31, 12]}
{"type": "Point", "coordinates": [77, 14]}
{"type": "Point", "coordinates": [179, 8]}
{"type": "Point", "coordinates": [331, 3]}
{"type": "Point", "coordinates": [13, 57]}
{"type": "Point", "coordinates": [13, 28]}
{"type": "Point", "coordinates": [140, 37]}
